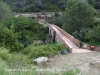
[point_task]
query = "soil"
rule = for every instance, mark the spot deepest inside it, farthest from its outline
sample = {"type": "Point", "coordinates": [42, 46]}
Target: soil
{"type": "Point", "coordinates": [88, 63]}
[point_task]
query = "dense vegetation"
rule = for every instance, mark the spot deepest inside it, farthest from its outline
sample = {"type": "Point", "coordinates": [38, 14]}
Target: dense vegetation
{"type": "Point", "coordinates": [16, 42]}
{"type": "Point", "coordinates": [24, 60]}
{"type": "Point", "coordinates": [81, 20]}
{"type": "Point", "coordinates": [36, 5]}
{"type": "Point", "coordinates": [17, 33]}
{"type": "Point", "coordinates": [43, 5]}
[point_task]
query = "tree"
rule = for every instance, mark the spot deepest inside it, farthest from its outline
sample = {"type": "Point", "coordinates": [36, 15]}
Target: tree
{"type": "Point", "coordinates": [4, 10]}
{"type": "Point", "coordinates": [92, 2]}
{"type": "Point", "coordinates": [79, 14]}
{"type": "Point", "coordinates": [9, 39]}
{"type": "Point", "coordinates": [93, 36]}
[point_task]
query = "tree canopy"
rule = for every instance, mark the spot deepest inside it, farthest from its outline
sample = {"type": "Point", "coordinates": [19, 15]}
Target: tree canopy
{"type": "Point", "coordinates": [36, 5]}
{"type": "Point", "coordinates": [79, 14]}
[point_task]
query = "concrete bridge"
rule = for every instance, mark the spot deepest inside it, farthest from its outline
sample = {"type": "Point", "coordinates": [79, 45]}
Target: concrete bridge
{"type": "Point", "coordinates": [73, 45]}
{"type": "Point", "coordinates": [38, 15]}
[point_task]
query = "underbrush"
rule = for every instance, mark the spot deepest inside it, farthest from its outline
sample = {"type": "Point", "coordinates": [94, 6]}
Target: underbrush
{"type": "Point", "coordinates": [42, 50]}
{"type": "Point", "coordinates": [11, 61]}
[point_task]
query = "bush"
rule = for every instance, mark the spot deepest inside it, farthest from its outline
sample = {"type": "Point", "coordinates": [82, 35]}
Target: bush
{"type": "Point", "coordinates": [13, 59]}
{"type": "Point", "coordinates": [9, 39]}
{"type": "Point", "coordinates": [29, 30]}
{"type": "Point", "coordinates": [43, 50]}
{"type": "Point", "coordinates": [4, 54]}
{"type": "Point", "coordinates": [92, 36]}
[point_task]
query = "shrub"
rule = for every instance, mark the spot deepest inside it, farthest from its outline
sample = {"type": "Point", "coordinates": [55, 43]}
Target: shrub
{"type": "Point", "coordinates": [43, 50]}
{"type": "Point", "coordinates": [13, 59]}
{"type": "Point", "coordinates": [9, 39]}
{"type": "Point", "coordinates": [93, 35]}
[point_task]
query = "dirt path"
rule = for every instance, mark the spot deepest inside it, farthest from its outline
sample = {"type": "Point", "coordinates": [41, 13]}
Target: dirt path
{"type": "Point", "coordinates": [83, 61]}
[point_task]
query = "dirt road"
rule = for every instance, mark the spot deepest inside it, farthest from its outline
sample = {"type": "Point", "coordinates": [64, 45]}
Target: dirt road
{"type": "Point", "coordinates": [88, 63]}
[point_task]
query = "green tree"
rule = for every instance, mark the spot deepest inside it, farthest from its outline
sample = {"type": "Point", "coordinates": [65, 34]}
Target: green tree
{"type": "Point", "coordinates": [79, 14]}
{"type": "Point", "coordinates": [4, 11]}
{"type": "Point", "coordinates": [93, 36]}
{"type": "Point", "coordinates": [92, 2]}
{"type": "Point", "coordinates": [23, 25]}
{"type": "Point", "coordinates": [9, 39]}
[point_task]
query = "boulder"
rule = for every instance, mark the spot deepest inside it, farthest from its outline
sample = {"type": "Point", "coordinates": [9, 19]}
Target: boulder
{"type": "Point", "coordinates": [40, 60]}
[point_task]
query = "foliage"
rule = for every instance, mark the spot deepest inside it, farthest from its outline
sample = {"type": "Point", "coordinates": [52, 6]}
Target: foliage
{"type": "Point", "coordinates": [29, 30]}
{"type": "Point", "coordinates": [95, 3]}
{"type": "Point", "coordinates": [72, 72]}
{"type": "Point", "coordinates": [3, 66]}
{"type": "Point", "coordinates": [4, 11]}
{"type": "Point", "coordinates": [9, 39]}
{"type": "Point", "coordinates": [16, 32]}
{"type": "Point", "coordinates": [81, 34]}
{"type": "Point", "coordinates": [42, 50]}
{"type": "Point", "coordinates": [79, 14]}
{"type": "Point", "coordinates": [40, 31]}
{"type": "Point", "coordinates": [19, 60]}
{"type": "Point", "coordinates": [23, 25]}
{"type": "Point", "coordinates": [56, 19]}
{"type": "Point", "coordinates": [13, 59]}
{"type": "Point", "coordinates": [36, 5]}
{"type": "Point", "coordinates": [93, 35]}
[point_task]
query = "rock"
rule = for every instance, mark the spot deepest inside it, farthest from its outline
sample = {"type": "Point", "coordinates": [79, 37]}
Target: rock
{"type": "Point", "coordinates": [40, 60]}
{"type": "Point", "coordinates": [64, 51]}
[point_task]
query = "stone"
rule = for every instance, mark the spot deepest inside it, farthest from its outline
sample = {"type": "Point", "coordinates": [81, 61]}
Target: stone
{"type": "Point", "coordinates": [40, 60]}
{"type": "Point", "coordinates": [64, 51]}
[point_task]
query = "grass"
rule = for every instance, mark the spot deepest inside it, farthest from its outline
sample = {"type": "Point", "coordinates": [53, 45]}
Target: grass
{"type": "Point", "coordinates": [3, 65]}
